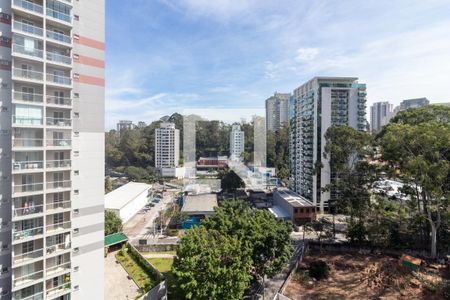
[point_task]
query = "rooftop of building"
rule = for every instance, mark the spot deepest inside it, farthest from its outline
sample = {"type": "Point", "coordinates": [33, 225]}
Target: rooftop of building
{"type": "Point", "coordinates": [199, 203]}
{"type": "Point", "coordinates": [115, 238]}
{"type": "Point", "coordinates": [125, 194]}
{"type": "Point", "coordinates": [293, 198]}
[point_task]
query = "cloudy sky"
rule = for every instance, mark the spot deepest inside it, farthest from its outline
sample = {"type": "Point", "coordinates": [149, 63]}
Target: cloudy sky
{"type": "Point", "coordinates": [166, 56]}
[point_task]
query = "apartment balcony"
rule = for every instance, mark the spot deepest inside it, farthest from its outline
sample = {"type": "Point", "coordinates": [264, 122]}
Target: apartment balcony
{"type": "Point", "coordinates": [29, 52]}
{"type": "Point", "coordinates": [59, 122]}
{"type": "Point", "coordinates": [21, 121]}
{"type": "Point", "coordinates": [59, 101]}
{"type": "Point", "coordinates": [58, 249]}
{"type": "Point", "coordinates": [28, 29]}
{"type": "Point", "coordinates": [59, 291]}
{"type": "Point", "coordinates": [27, 279]}
{"type": "Point", "coordinates": [22, 143]}
{"type": "Point", "coordinates": [58, 37]}
{"type": "Point", "coordinates": [58, 185]}
{"type": "Point", "coordinates": [27, 75]}
{"type": "Point", "coordinates": [60, 206]}
{"type": "Point", "coordinates": [29, 98]}
{"type": "Point", "coordinates": [57, 227]}
{"type": "Point", "coordinates": [59, 16]}
{"type": "Point", "coordinates": [58, 164]}
{"type": "Point", "coordinates": [38, 294]}
{"type": "Point", "coordinates": [31, 211]}
{"type": "Point", "coordinates": [59, 59]}
{"type": "Point", "coordinates": [58, 270]}
{"type": "Point", "coordinates": [27, 234]}
{"type": "Point", "coordinates": [24, 258]}
{"type": "Point", "coordinates": [59, 143]}
{"type": "Point", "coordinates": [27, 188]}
{"type": "Point", "coordinates": [59, 80]}
{"type": "Point", "coordinates": [19, 167]}
{"type": "Point", "coordinates": [28, 6]}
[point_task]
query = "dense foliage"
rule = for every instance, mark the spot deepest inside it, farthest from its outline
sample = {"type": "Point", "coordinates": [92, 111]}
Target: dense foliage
{"type": "Point", "coordinates": [318, 269]}
{"type": "Point", "coordinates": [113, 224]}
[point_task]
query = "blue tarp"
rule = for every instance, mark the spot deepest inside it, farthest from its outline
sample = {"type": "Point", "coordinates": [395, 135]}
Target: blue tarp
{"type": "Point", "coordinates": [190, 222]}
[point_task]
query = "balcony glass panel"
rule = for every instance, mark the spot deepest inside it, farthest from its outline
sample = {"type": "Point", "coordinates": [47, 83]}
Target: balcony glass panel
{"type": "Point", "coordinates": [28, 28]}
{"type": "Point", "coordinates": [58, 247]}
{"type": "Point", "coordinates": [31, 187]}
{"type": "Point", "coordinates": [59, 226]}
{"type": "Point", "coordinates": [59, 205]}
{"type": "Point", "coordinates": [59, 184]}
{"type": "Point", "coordinates": [27, 50]}
{"type": "Point", "coordinates": [56, 100]}
{"type": "Point", "coordinates": [28, 74]}
{"type": "Point", "coordinates": [59, 58]}
{"type": "Point", "coordinates": [58, 15]}
{"type": "Point", "coordinates": [28, 210]}
{"type": "Point", "coordinates": [24, 257]}
{"type": "Point", "coordinates": [59, 142]}
{"type": "Point", "coordinates": [27, 233]}
{"type": "Point", "coordinates": [54, 164]}
{"type": "Point", "coordinates": [27, 165]}
{"type": "Point", "coordinates": [60, 79]}
{"type": "Point", "coordinates": [26, 142]}
{"type": "Point", "coordinates": [57, 36]}
{"type": "Point", "coordinates": [62, 122]}
{"type": "Point", "coordinates": [18, 281]}
{"type": "Point", "coordinates": [28, 97]}
{"type": "Point", "coordinates": [27, 5]}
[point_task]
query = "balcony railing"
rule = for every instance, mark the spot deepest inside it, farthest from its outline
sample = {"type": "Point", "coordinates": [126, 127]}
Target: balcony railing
{"type": "Point", "coordinates": [59, 142]}
{"type": "Point", "coordinates": [63, 101]}
{"type": "Point", "coordinates": [30, 187]}
{"type": "Point", "coordinates": [59, 290]}
{"type": "Point", "coordinates": [60, 122]}
{"type": "Point", "coordinates": [24, 257]}
{"type": "Point", "coordinates": [19, 120]}
{"type": "Point", "coordinates": [27, 5]}
{"type": "Point", "coordinates": [28, 74]}
{"type": "Point", "coordinates": [60, 37]}
{"type": "Point", "coordinates": [24, 27]}
{"type": "Point", "coordinates": [38, 296]}
{"type": "Point", "coordinates": [58, 247]}
{"type": "Point", "coordinates": [27, 233]}
{"type": "Point", "coordinates": [64, 80]}
{"type": "Point", "coordinates": [31, 51]}
{"type": "Point", "coordinates": [21, 142]}
{"type": "Point", "coordinates": [26, 211]}
{"type": "Point", "coordinates": [59, 184]}
{"type": "Point", "coordinates": [59, 268]}
{"type": "Point", "coordinates": [59, 226]}
{"type": "Point", "coordinates": [59, 58]}
{"type": "Point", "coordinates": [18, 281]}
{"type": "Point", "coordinates": [55, 164]}
{"type": "Point", "coordinates": [59, 205]}
{"type": "Point", "coordinates": [27, 165]}
{"type": "Point", "coordinates": [58, 15]}
{"type": "Point", "coordinates": [28, 97]}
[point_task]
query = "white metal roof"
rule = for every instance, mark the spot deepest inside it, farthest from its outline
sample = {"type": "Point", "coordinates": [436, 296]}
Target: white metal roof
{"type": "Point", "coordinates": [125, 194]}
{"type": "Point", "coordinates": [279, 212]}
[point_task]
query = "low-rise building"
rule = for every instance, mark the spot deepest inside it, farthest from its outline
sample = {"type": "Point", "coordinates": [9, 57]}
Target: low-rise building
{"type": "Point", "coordinates": [217, 162]}
{"type": "Point", "coordinates": [127, 200]}
{"type": "Point", "coordinates": [198, 207]}
{"type": "Point", "coordinates": [291, 206]}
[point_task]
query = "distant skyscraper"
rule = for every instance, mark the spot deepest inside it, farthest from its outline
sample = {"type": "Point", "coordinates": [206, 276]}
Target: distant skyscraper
{"type": "Point", "coordinates": [167, 146]}
{"type": "Point", "coordinates": [380, 115]}
{"type": "Point", "coordinates": [277, 108]}
{"type": "Point", "coordinates": [411, 103]}
{"type": "Point", "coordinates": [124, 125]}
{"type": "Point", "coordinates": [237, 142]}
{"type": "Point", "coordinates": [320, 103]}
{"type": "Point", "coordinates": [52, 151]}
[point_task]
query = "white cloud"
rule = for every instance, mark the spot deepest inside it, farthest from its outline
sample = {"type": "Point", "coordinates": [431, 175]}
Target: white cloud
{"type": "Point", "coordinates": [306, 54]}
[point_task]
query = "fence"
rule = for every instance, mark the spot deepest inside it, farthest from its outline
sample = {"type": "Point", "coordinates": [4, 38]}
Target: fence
{"type": "Point", "coordinates": [300, 254]}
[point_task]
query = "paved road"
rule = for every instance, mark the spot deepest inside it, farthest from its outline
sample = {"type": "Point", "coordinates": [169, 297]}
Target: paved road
{"type": "Point", "coordinates": [117, 284]}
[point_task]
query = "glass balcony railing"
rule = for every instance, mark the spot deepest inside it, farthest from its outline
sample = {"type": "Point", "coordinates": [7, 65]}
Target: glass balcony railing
{"type": "Point", "coordinates": [28, 74]}
{"type": "Point", "coordinates": [27, 211]}
{"type": "Point", "coordinates": [19, 120]}
{"type": "Point", "coordinates": [28, 97]}
{"type": "Point", "coordinates": [60, 37]}
{"type": "Point", "coordinates": [28, 5]}
{"type": "Point", "coordinates": [59, 142]}
{"type": "Point", "coordinates": [27, 28]}
{"type": "Point", "coordinates": [27, 233]}
{"type": "Point", "coordinates": [59, 184]}
{"type": "Point", "coordinates": [58, 269]}
{"type": "Point", "coordinates": [57, 248]}
{"type": "Point", "coordinates": [63, 101]}
{"type": "Point", "coordinates": [55, 164]}
{"type": "Point", "coordinates": [27, 165]}
{"type": "Point", "coordinates": [24, 142]}
{"type": "Point", "coordinates": [64, 80]}
{"type": "Point", "coordinates": [59, 58]}
{"type": "Point", "coordinates": [59, 226]}
{"type": "Point", "coordinates": [59, 205]}
{"type": "Point", "coordinates": [24, 257]}
{"type": "Point", "coordinates": [58, 291]}
{"type": "Point", "coordinates": [60, 122]}
{"type": "Point", "coordinates": [22, 280]}
{"type": "Point", "coordinates": [38, 296]}
{"type": "Point", "coordinates": [30, 187]}
{"type": "Point", "coordinates": [58, 15]}
{"type": "Point", "coordinates": [30, 51]}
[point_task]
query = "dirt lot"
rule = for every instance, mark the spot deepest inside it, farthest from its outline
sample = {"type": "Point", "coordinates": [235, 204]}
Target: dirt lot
{"type": "Point", "coordinates": [362, 277]}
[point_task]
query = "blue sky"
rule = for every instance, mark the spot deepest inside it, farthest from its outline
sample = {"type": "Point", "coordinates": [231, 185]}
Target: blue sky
{"type": "Point", "coordinates": [164, 56]}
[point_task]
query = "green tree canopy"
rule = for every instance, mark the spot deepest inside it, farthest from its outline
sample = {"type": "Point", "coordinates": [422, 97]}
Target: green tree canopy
{"type": "Point", "coordinates": [113, 224]}
{"type": "Point", "coordinates": [230, 181]}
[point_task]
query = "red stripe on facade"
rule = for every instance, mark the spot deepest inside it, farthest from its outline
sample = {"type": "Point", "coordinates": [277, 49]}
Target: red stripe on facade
{"type": "Point", "coordinates": [86, 60]}
{"type": "Point", "coordinates": [89, 80]}
{"type": "Point", "coordinates": [89, 42]}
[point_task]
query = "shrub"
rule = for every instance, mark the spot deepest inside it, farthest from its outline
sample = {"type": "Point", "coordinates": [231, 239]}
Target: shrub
{"type": "Point", "coordinates": [446, 291]}
{"type": "Point", "coordinates": [318, 269]}
{"type": "Point", "coordinates": [171, 232]}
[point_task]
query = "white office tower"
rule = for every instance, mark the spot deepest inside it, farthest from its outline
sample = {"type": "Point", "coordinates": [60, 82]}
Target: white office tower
{"type": "Point", "coordinates": [51, 149]}
{"type": "Point", "coordinates": [277, 110]}
{"type": "Point", "coordinates": [380, 115]}
{"type": "Point", "coordinates": [237, 142]}
{"type": "Point", "coordinates": [318, 104]}
{"type": "Point", "coordinates": [167, 146]}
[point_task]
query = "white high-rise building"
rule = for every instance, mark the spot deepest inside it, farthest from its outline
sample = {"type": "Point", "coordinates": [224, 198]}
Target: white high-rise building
{"type": "Point", "coordinates": [277, 111]}
{"type": "Point", "coordinates": [52, 149]}
{"type": "Point", "coordinates": [380, 115]}
{"type": "Point", "coordinates": [167, 146]}
{"type": "Point", "coordinates": [237, 142]}
{"type": "Point", "coordinates": [318, 104]}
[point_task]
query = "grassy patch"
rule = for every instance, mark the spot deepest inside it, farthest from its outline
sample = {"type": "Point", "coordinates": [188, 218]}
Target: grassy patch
{"type": "Point", "coordinates": [173, 252]}
{"type": "Point", "coordinates": [162, 264]}
{"type": "Point", "coordinates": [142, 279]}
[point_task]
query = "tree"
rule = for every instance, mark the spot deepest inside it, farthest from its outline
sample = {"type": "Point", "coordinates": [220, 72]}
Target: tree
{"type": "Point", "coordinates": [108, 185]}
{"type": "Point", "coordinates": [322, 228]}
{"type": "Point", "coordinates": [136, 173]}
{"type": "Point", "coordinates": [420, 154]}
{"type": "Point", "coordinates": [230, 181]}
{"type": "Point", "coordinates": [113, 224]}
{"type": "Point", "coordinates": [211, 265]}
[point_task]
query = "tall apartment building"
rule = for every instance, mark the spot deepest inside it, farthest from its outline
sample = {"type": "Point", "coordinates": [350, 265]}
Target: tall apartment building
{"type": "Point", "coordinates": [124, 125]}
{"type": "Point", "coordinates": [380, 115]}
{"type": "Point", "coordinates": [167, 146]}
{"type": "Point", "coordinates": [411, 103]}
{"type": "Point", "coordinates": [51, 149]}
{"type": "Point", "coordinates": [277, 110]}
{"type": "Point", "coordinates": [320, 103]}
{"type": "Point", "coordinates": [237, 142]}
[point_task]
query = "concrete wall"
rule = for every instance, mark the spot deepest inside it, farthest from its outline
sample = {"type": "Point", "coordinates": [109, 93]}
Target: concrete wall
{"type": "Point", "coordinates": [132, 207]}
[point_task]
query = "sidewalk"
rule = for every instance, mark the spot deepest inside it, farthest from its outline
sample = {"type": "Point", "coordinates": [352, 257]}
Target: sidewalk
{"type": "Point", "coordinates": [117, 284]}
